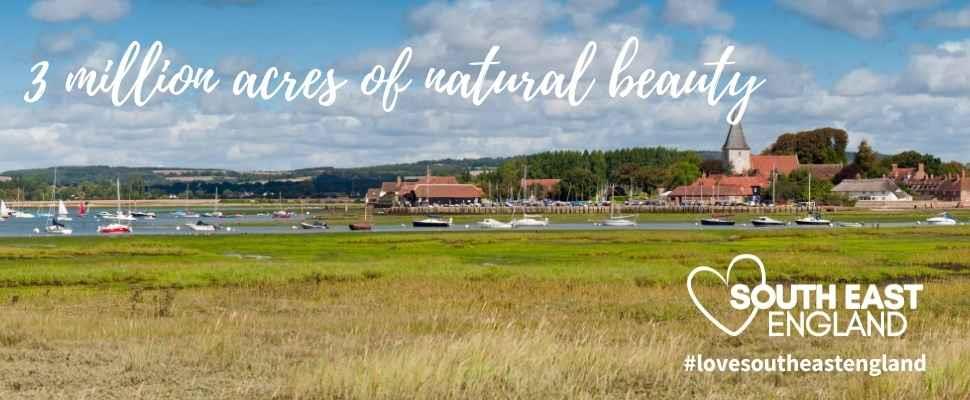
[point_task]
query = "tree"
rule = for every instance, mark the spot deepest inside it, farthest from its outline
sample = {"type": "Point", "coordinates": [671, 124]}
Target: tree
{"type": "Point", "coordinates": [683, 173]}
{"type": "Point", "coordinates": [713, 167]}
{"type": "Point", "coordinates": [577, 183]}
{"type": "Point", "coordinates": [818, 146]}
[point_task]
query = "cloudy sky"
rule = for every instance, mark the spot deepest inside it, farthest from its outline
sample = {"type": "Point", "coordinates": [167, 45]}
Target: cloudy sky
{"type": "Point", "coordinates": [894, 72]}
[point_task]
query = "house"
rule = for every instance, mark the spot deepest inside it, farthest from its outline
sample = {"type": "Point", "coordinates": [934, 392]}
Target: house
{"type": "Point", "coordinates": [722, 189]}
{"type": "Point", "coordinates": [924, 186]}
{"type": "Point", "coordinates": [879, 189]}
{"type": "Point", "coordinates": [424, 190]}
{"type": "Point", "coordinates": [5, 179]}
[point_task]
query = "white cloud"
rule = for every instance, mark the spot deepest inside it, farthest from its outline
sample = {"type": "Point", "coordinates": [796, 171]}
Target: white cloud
{"type": "Point", "coordinates": [959, 19]}
{"type": "Point", "coordinates": [69, 10]}
{"type": "Point", "coordinates": [862, 81]}
{"type": "Point", "coordinates": [862, 18]}
{"type": "Point", "coordinates": [942, 70]}
{"type": "Point", "coordinates": [698, 13]}
{"type": "Point", "coordinates": [784, 77]}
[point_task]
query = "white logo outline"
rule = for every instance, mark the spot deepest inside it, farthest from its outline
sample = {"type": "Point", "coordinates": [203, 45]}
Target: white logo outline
{"type": "Point", "coordinates": [724, 278]}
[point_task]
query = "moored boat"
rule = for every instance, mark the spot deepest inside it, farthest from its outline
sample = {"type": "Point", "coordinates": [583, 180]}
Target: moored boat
{"type": "Point", "coordinates": [814, 219]}
{"type": "Point", "coordinates": [314, 225]}
{"type": "Point", "coordinates": [491, 223]}
{"type": "Point", "coordinates": [116, 228]}
{"type": "Point", "coordinates": [530, 221]}
{"type": "Point", "coordinates": [943, 219]}
{"type": "Point", "coordinates": [361, 226]}
{"type": "Point", "coordinates": [432, 222]}
{"type": "Point", "coordinates": [766, 221]}
{"type": "Point", "coordinates": [717, 221]}
{"type": "Point", "coordinates": [201, 226]}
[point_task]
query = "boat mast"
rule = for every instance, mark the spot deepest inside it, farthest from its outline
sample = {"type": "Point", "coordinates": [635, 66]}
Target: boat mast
{"type": "Point", "coordinates": [118, 188]}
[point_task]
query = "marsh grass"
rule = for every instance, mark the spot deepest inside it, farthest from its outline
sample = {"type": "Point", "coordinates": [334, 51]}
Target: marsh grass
{"type": "Point", "coordinates": [456, 316]}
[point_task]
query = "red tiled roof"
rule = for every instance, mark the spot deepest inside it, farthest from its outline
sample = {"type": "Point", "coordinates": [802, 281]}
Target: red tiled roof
{"type": "Point", "coordinates": [743, 181]}
{"type": "Point", "coordinates": [452, 191]}
{"type": "Point", "coordinates": [764, 164]}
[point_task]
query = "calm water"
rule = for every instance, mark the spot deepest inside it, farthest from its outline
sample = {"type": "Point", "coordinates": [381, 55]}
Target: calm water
{"type": "Point", "coordinates": [167, 224]}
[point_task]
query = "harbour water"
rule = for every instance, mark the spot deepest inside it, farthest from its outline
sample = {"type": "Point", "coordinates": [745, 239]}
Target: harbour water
{"type": "Point", "coordinates": [168, 224]}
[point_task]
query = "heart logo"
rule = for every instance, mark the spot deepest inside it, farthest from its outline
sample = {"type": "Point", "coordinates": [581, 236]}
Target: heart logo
{"type": "Point", "coordinates": [724, 278]}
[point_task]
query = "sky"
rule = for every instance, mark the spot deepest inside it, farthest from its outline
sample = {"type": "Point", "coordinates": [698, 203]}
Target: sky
{"type": "Point", "coordinates": [895, 73]}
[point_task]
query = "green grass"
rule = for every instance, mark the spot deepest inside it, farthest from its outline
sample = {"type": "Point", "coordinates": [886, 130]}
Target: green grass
{"type": "Point", "coordinates": [453, 315]}
{"type": "Point", "coordinates": [661, 257]}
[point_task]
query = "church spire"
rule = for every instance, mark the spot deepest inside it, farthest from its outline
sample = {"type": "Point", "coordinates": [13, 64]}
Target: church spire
{"type": "Point", "coordinates": [735, 138]}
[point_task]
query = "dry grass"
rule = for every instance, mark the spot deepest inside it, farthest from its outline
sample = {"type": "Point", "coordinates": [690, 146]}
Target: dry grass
{"type": "Point", "coordinates": [401, 338]}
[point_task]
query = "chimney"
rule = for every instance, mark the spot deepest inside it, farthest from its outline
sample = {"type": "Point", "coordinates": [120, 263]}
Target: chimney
{"type": "Point", "coordinates": [895, 166]}
{"type": "Point", "coordinates": [920, 167]}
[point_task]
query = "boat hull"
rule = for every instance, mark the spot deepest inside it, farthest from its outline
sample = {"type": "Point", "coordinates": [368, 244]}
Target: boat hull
{"type": "Point", "coordinates": [425, 224]}
{"type": "Point", "coordinates": [716, 222]}
{"type": "Point", "coordinates": [114, 230]}
{"type": "Point", "coordinates": [767, 223]}
{"type": "Point", "coordinates": [313, 226]}
{"type": "Point", "coordinates": [361, 226]}
{"type": "Point", "coordinates": [813, 223]}
{"type": "Point", "coordinates": [618, 223]}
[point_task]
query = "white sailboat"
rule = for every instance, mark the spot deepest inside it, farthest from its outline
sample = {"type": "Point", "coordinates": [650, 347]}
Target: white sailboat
{"type": "Point", "coordinates": [491, 223]}
{"type": "Point", "coordinates": [55, 226]}
{"type": "Point", "coordinates": [215, 212]}
{"type": "Point", "coordinates": [617, 220]}
{"type": "Point", "coordinates": [4, 211]}
{"type": "Point", "coordinates": [814, 218]}
{"type": "Point", "coordinates": [530, 220]}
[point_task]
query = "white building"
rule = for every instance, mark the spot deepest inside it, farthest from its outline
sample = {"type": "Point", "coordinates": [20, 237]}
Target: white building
{"type": "Point", "coordinates": [879, 189]}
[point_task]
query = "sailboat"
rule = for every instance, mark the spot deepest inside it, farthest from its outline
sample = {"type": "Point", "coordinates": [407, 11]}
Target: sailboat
{"type": "Point", "coordinates": [617, 220]}
{"type": "Point", "coordinates": [814, 218]}
{"type": "Point", "coordinates": [115, 228]}
{"type": "Point", "coordinates": [4, 211]}
{"type": "Point", "coordinates": [215, 212]}
{"type": "Point", "coordinates": [364, 225]}
{"type": "Point", "coordinates": [82, 209]}
{"type": "Point", "coordinates": [55, 225]}
{"type": "Point", "coordinates": [282, 213]}
{"type": "Point", "coordinates": [765, 220]}
{"type": "Point", "coordinates": [19, 214]}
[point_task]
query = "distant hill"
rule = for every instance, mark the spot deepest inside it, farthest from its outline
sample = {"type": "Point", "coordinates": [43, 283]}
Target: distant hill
{"type": "Point", "coordinates": [158, 176]}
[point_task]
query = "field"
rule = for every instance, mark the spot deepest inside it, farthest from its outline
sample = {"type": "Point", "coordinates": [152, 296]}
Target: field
{"type": "Point", "coordinates": [580, 314]}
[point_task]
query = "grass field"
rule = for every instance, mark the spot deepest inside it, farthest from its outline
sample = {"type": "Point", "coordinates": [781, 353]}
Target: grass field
{"type": "Point", "coordinates": [598, 314]}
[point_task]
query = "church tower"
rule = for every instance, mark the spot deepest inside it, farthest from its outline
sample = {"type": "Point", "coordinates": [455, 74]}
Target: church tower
{"type": "Point", "coordinates": [736, 151]}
